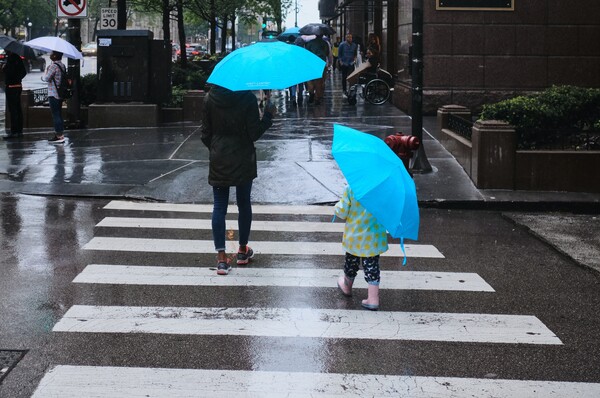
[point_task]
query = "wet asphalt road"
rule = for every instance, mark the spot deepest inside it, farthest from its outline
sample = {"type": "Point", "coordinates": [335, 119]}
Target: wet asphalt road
{"type": "Point", "coordinates": [44, 248]}
{"type": "Point", "coordinates": [45, 245]}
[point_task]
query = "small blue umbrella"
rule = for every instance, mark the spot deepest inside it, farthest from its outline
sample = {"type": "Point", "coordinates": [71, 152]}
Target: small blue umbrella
{"type": "Point", "coordinates": [293, 31]}
{"type": "Point", "coordinates": [378, 179]}
{"type": "Point", "coordinates": [271, 65]}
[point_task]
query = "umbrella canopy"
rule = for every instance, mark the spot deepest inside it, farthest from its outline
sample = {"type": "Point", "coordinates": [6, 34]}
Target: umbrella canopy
{"type": "Point", "coordinates": [378, 179]}
{"type": "Point", "coordinates": [266, 65]}
{"type": "Point", "coordinates": [293, 31]}
{"type": "Point", "coordinates": [317, 29]}
{"type": "Point", "coordinates": [51, 43]}
{"type": "Point", "coordinates": [12, 45]}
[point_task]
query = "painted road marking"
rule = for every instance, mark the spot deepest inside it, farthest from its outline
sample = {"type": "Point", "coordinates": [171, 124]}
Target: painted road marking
{"type": "Point", "coordinates": [306, 322]}
{"type": "Point", "coordinates": [186, 223]}
{"type": "Point", "coordinates": [232, 209]}
{"type": "Point", "coordinates": [122, 382]}
{"type": "Point", "coordinates": [204, 276]}
{"type": "Point", "coordinates": [260, 247]}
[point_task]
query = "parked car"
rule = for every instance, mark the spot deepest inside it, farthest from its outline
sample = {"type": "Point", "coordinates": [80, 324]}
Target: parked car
{"type": "Point", "coordinates": [90, 49]}
{"type": "Point", "coordinates": [197, 51]}
{"type": "Point", "coordinates": [38, 63]}
{"type": "Point", "coordinates": [188, 50]}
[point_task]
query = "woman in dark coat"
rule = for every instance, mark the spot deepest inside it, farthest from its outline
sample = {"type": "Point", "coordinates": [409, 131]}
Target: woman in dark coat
{"type": "Point", "coordinates": [231, 124]}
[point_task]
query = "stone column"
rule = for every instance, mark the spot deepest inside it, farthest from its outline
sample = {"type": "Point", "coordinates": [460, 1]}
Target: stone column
{"type": "Point", "coordinates": [494, 154]}
{"type": "Point", "coordinates": [193, 102]}
{"type": "Point", "coordinates": [446, 110]}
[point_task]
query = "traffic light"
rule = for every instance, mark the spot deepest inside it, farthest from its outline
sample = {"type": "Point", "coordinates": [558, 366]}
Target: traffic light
{"type": "Point", "coordinates": [264, 24]}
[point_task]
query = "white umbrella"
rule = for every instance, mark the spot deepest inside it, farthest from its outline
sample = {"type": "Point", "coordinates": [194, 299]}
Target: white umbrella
{"type": "Point", "coordinates": [52, 43]}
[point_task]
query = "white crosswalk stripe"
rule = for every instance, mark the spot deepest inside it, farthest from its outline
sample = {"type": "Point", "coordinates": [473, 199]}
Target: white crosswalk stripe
{"type": "Point", "coordinates": [193, 208]}
{"type": "Point", "coordinates": [183, 223]}
{"type": "Point", "coordinates": [305, 322]}
{"type": "Point", "coordinates": [274, 322]}
{"type": "Point", "coordinates": [263, 247]}
{"type": "Point", "coordinates": [119, 382]}
{"type": "Point", "coordinates": [205, 276]}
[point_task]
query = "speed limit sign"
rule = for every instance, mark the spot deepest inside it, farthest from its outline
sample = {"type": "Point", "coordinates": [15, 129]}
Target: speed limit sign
{"type": "Point", "coordinates": [108, 18]}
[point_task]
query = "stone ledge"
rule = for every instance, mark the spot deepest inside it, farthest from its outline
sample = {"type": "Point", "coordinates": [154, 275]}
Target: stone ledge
{"type": "Point", "coordinates": [123, 115]}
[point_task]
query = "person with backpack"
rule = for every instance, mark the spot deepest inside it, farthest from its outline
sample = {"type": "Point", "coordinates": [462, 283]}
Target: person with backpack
{"type": "Point", "coordinates": [14, 72]}
{"type": "Point", "coordinates": [56, 75]}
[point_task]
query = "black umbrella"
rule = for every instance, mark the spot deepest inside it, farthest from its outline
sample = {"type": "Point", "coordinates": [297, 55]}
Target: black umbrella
{"type": "Point", "coordinates": [12, 45]}
{"type": "Point", "coordinates": [317, 29]}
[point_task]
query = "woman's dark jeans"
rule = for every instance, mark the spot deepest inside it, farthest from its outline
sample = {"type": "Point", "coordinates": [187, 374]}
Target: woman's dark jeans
{"type": "Point", "coordinates": [56, 109]}
{"type": "Point", "coordinates": [221, 201]}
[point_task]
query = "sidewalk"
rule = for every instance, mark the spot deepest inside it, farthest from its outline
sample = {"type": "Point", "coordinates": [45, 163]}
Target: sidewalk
{"type": "Point", "coordinates": [170, 163]}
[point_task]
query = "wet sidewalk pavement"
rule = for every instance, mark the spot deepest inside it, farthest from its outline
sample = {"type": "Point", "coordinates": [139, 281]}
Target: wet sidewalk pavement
{"type": "Point", "coordinates": [170, 163]}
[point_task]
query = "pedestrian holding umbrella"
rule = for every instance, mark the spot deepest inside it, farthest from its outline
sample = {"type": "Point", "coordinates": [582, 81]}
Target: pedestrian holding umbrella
{"type": "Point", "coordinates": [317, 29]}
{"type": "Point", "coordinates": [380, 196]}
{"type": "Point", "coordinates": [14, 46]}
{"type": "Point", "coordinates": [266, 66]}
{"type": "Point", "coordinates": [52, 43]}
{"type": "Point", "coordinates": [293, 31]}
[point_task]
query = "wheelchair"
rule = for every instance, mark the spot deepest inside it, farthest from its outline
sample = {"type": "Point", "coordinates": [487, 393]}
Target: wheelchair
{"type": "Point", "coordinates": [373, 87]}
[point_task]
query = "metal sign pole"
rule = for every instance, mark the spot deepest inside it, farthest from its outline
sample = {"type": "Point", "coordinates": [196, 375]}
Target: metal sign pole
{"type": "Point", "coordinates": [420, 164]}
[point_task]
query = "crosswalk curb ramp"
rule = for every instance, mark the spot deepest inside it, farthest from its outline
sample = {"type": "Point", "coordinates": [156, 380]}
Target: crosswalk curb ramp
{"type": "Point", "coordinates": [64, 380]}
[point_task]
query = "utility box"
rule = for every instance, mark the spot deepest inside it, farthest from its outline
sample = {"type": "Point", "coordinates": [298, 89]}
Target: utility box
{"type": "Point", "coordinates": [132, 67]}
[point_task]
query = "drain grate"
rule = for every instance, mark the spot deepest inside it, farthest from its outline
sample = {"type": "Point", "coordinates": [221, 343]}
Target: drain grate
{"type": "Point", "coordinates": [8, 360]}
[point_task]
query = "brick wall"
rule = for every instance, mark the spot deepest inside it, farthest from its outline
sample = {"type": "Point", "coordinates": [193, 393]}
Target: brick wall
{"type": "Point", "coordinates": [477, 57]}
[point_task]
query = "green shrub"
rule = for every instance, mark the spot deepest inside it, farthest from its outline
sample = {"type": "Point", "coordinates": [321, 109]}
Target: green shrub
{"type": "Point", "coordinates": [89, 89]}
{"type": "Point", "coordinates": [190, 78]}
{"type": "Point", "coordinates": [556, 116]}
{"type": "Point", "coordinates": [176, 100]}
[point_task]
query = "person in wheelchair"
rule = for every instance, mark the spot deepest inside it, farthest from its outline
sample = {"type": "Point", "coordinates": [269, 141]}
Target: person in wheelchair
{"type": "Point", "coordinates": [376, 83]}
{"type": "Point", "coordinates": [366, 71]}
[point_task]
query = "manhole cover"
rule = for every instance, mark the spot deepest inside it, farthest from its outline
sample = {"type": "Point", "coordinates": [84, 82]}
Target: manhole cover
{"type": "Point", "coordinates": [8, 360]}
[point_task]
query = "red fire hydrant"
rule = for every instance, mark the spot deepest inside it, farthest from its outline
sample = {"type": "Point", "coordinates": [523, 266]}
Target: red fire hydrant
{"type": "Point", "coordinates": [403, 146]}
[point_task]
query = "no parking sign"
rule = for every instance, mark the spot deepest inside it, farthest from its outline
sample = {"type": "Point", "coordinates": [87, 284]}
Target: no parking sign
{"type": "Point", "coordinates": [71, 8]}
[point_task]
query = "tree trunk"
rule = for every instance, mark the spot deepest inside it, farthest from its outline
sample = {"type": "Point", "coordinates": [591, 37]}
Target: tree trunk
{"type": "Point", "coordinates": [233, 32]}
{"type": "Point", "coordinates": [224, 36]}
{"type": "Point", "coordinates": [213, 28]}
{"type": "Point", "coordinates": [166, 22]}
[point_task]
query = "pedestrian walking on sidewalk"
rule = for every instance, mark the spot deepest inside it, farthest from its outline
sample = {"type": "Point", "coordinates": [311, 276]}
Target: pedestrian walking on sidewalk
{"type": "Point", "coordinates": [54, 75]}
{"type": "Point", "coordinates": [231, 123]}
{"type": "Point", "coordinates": [14, 72]}
{"type": "Point", "coordinates": [316, 87]}
{"type": "Point", "coordinates": [347, 57]}
{"type": "Point", "coordinates": [364, 240]}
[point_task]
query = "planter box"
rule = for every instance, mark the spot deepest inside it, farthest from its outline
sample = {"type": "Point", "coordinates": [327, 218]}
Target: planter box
{"type": "Point", "coordinates": [570, 171]}
{"type": "Point", "coordinates": [492, 161]}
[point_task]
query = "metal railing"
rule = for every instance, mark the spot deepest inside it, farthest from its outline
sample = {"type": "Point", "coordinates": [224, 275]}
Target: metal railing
{"type": "Point", "coordinates": [460, 126]}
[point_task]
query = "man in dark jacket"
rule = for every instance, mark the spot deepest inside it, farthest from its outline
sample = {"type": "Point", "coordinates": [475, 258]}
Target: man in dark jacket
{"type": "Point", "coordinates": [14, 71]}
{"type": "Point", "coordinates": [231, 124]}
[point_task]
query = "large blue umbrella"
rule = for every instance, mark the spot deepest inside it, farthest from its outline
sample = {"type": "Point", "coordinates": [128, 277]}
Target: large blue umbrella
{"type": "Point", "coordinates": [378, 179]}
{"type": "Point", "coordinates": [266, 65]}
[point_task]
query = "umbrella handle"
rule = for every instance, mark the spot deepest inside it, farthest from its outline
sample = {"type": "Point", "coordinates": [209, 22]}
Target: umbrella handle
{"type": "Point", "coordinates": [403, 251]}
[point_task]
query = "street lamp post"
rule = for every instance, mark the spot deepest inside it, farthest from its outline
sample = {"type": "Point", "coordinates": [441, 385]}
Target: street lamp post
{"type": "Point", "coordinates": [421, 164]}
{"type": "Point", "coordinates": [296, 13]}
{"type": "Point", "coordinates": [29, 24]}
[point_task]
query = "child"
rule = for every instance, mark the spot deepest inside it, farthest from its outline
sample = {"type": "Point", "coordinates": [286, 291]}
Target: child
{"type": "Point", "coordinates": [364, 240]}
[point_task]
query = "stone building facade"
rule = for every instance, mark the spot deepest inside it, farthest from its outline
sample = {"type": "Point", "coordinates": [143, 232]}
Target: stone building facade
{"type": "Point", "coordinates": [473, 57]}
